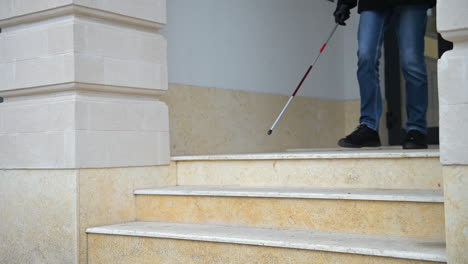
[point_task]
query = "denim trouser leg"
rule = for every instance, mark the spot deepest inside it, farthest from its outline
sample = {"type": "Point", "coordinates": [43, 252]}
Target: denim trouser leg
{"type": "Point", "coordinates": [372, 27]}
{"type": "Point", "coordinates": [411, 28]}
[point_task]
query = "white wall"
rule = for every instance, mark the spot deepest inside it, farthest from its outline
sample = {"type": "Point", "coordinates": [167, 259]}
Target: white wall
{"type": "Point", "coordinates": [261, 46]}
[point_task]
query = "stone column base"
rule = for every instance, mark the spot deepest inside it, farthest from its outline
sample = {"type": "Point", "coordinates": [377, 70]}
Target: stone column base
{"type": "Point", "coordinates": [80, 129]}
{"type": "Point", "coordinates": [44, 213]}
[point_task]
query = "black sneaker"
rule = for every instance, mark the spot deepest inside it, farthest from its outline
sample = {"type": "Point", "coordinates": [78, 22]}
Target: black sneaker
{"type": "Point", "coordinates": [363, 136]}
{"type": "Point", "coordinates": [415, 140]}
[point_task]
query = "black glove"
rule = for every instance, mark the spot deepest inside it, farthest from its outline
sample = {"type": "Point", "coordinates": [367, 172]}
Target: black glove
{"type": "Point", "coordinates": [342, 14]}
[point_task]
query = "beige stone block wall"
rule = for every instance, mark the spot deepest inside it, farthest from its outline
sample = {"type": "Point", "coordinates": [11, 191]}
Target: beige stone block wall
{"type": "Point", "coordinates": [456, 212]}
{"type": "Point", "coordinates": [213, 121]}
{"type": "Point", "coordinates": [208, 120]}
{"type": "Point", "coordinates": [106, 196]}
{"type": "Point", "coordinates": [44, 213]}
{"type": "Point", "coordinates": [38, 216]}
{"type": "Point", "coordinates": [72, 104]}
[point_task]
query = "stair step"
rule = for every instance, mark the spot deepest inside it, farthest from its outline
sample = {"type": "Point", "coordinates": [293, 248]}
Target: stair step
{"type": "Point", "coordinates": [339, 153]}
{"type": "Point", "coordinates": [432, 148]}
{"type": "Point", "coordinates": [371, 245]}
{"type": "Point", "coordinates": [408, 213]}
{"type": "Point", "coordinates": [364, 169]}
{"type": "Point", "coordinates": [429, 196]}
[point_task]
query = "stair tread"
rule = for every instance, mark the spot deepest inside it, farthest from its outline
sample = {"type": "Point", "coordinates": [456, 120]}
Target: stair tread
{"type": "Point", "coordinates": [318, 154]}
{"type": "Point", "coordinates": [431, 196]}
{"type": "Point", "coordinates": [384, 246]}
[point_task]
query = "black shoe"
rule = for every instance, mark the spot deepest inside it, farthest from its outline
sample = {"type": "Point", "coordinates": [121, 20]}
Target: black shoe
{"type": "Point", "coordinates": [363, 136]}
{"type": "Point", "coordinates": [415, 140]}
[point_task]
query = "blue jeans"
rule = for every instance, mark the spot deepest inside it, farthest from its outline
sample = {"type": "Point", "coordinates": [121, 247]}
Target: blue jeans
{"type": "Point", "coordinates": [411, 27]}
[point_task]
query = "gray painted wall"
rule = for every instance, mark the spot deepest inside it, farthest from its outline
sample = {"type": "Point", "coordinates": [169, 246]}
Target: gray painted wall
{"type": "Point", "coordinates": [261, 46]}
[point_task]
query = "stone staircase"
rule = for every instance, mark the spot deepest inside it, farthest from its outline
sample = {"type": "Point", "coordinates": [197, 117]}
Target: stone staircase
{"type": "Point", "coordinates": [368, 206]}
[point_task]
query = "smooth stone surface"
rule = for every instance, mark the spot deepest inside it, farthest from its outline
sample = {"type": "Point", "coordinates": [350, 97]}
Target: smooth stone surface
{"type": "Point", "coordinates": [38, 216]}
{"type": "Point", "coordinates": [361, 173]}
{"type": "Point", "coordinates": [83, 130]}
{"type": "Point", "coordinates": [151, 10]}
{"type": "Point", "coordinates": [141, 250]}
{"type": "Point", "coordinates": [12, 8]}
{"type": "Point", "coordinates": [453, 127]}
{"type": "Point", "coordinates": [320, 154]}
{"type": "Point", "coordinates": [452, 15]}
{"type": "Point", "coordinates": [431, 196]}
{"type": "Point", "coordinates": [44, 213]}
{"type": "Point", "coordinates": [456, 212]}
{"type": "Point", "coordinates": [450, 90]}
{"type": "Point", "coordinates": [297, 239]}
{"type": "Point", "coordinates": [238, 121]}
{"type": "Point", "coordinates": [81, 50]}
{"type": "Point", "coordinates": [119, 56]}
{"type": "Point", "coordinates": [452, 23]}
{"type": "Point", "coordinates": [405, 219]}
{"type": "Point", "coordinates": [105, 195]}
{"type": "Point", "coordinates": [50, 63]}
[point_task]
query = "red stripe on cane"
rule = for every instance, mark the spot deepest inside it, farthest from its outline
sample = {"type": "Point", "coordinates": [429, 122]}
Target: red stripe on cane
{"type": "Point", "coordinates": [302, 81]}
{"type": "Point", "coordinates": [323, 47]}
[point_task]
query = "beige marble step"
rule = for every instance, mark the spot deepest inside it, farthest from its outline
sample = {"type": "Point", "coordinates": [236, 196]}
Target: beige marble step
{"type": "Point", "coordinates": [375, 149]}
{"type": "Point", "coordinates": [408, 213]}
{"type": "Point", "coordinates": [156, 242]}
{"type": "Point", "coordinates": [384, 169]}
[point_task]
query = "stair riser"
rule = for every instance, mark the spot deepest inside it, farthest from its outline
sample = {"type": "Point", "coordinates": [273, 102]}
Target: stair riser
{"type": "Point", "coordinates": [403, 173]}
{"type": "Point", "coordinates": [409, 219]}
{"type": "Point", "coordinates": [104, 249]}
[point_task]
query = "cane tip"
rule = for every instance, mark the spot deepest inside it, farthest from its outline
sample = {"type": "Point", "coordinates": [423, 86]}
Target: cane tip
{"type": "Point", "coordinates": [269, 132]}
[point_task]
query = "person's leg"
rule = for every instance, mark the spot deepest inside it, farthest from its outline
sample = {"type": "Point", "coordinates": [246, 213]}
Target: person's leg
{"type": "Point", "coordinates": [411, 28]}
{"type": "Point", "coordinates": [372, 27]}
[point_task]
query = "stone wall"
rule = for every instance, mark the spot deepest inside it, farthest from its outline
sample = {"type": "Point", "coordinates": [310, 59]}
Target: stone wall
{"type": "Point", "coordinates": [453, 97]}
{"type": "Point", "coordinates": [81, 125]}
{"type": "Point", "coordinates": [214, 121]}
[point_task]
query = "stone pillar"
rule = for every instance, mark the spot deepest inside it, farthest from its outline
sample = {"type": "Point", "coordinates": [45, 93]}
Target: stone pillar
{"type": "Point", "coordinates": [453, 96]}
{"type": "Point", "coordinates": [81, 125]}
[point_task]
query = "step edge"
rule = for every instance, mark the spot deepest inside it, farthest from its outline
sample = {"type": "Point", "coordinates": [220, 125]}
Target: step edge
{"type": "Point", "coordinates": [109, 230]}
{"type": "Point", "coordinates": [436, 197]}
{"type": "Point", "coordinates": [308, 156]}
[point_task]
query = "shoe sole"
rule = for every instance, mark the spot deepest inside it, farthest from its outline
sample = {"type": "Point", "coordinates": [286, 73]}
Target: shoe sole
{"type": "Point", "coordinates": [345, 144]}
